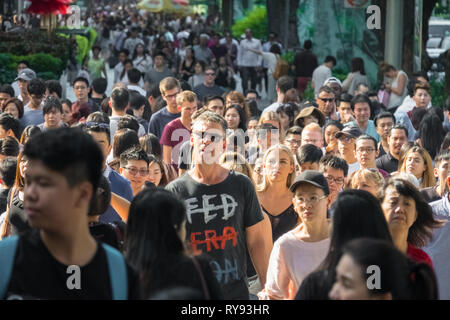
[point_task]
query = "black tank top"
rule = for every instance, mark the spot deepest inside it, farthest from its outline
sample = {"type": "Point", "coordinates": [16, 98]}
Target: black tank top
{"type": "Point", "coordinates": [282, 223]}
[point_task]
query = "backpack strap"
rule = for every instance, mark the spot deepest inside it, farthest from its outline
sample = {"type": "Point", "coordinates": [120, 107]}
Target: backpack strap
{"type": "Point", "coordinates": [117, 273]}
{"type": "Point", "coordinates": [8, 248]}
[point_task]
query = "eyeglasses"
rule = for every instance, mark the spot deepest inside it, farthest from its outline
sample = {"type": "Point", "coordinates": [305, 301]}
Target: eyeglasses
{"type": "Point", "coordinates": [213, 137]}
{"type": "Point", "coordinates": [210, 74]}
{"type": "Point", "coordinates": [171, 96]}
{"type": "Point", "coordinates": [312, 200]}
{"type": "Point", "coordinates": [134, 171]}
{"type": "Point", "coordinates": [327, 100]}
{"type": "Point", "coordinates": [367, 150]}
{"type": "Point", "coordinates": [293, 141]}
{"type": "Point", "coordinates": [338, 181]}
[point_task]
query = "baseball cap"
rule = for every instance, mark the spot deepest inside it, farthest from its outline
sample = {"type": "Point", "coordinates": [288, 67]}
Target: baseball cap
{"type": "Point", "coordinates": [26, 74]}
{"type": "Point", "coordinates": [312, 177]}
{"type": "Point", "coordinates": [331, 80]}
{"type": "Point", "coordinates": [350, 131]}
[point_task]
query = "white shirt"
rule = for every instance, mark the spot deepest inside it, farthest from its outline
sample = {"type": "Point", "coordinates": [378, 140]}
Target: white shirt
{"type": "Point", "coordinates": [138, 89]}
{"type": "Point", "coordinates": [247, 58]}
{"type": "Point", "coordinates": [320, 74]}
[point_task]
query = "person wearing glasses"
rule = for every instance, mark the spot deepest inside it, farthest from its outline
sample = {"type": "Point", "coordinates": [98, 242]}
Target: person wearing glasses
{"type": "Point", "coordinates": [169, 87]}
{"type": "Point", "coordinates": [33, 110]}
{"type": "Point", "coordinates": [326, 102]}
{"type": "Point", "coordinates": [366, 153]}
{"type": "Point", "coordinates": [361, 108]}
{"type": "Point", "coordinates": [346, 146]}
{"type": "Point", "coordinates": [300, 251]}
{"type": "Point", "coordinates": [208, 87]}
{"type": "Point", "coordinates": [134, 166]}
{"type": "Point", "coordinates": [224, 218]}
{"type": "Point", "coordinates": [335, 170]}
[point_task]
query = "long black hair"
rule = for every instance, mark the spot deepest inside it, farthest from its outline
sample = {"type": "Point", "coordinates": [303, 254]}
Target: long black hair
{"type": "Point", "coordinates": [431, 133]}
{"type": "Point", "coordinates": [403, 278]}
{"type": "Point", "coordinates": [156, 217]}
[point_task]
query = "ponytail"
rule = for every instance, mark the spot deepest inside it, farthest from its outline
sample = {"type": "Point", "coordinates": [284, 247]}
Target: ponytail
{"type": "Point", "coordinates": [423, 282]}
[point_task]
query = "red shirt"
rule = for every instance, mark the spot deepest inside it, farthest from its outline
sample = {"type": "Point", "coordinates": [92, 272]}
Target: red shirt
{"type": "Point", "coordinates": [418, 255]}
{"type": "Point", "coordinates": [174, 135]}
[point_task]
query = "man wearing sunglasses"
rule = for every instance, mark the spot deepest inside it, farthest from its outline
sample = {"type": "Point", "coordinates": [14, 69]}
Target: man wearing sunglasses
{"type": "Point", "coordinates": [326, 101]}
{"type": "Point", "coordinates": [33, 114]}
{"type": "Point", "coordinates": [224, 218]}
{"type": "Point", "coordinates": [208, 87]}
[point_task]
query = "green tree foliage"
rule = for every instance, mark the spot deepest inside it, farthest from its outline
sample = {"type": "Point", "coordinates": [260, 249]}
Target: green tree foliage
{"type": "Point", "coordinates": [256, 20]}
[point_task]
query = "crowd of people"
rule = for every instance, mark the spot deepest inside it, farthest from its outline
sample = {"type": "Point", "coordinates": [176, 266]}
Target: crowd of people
{"type": "Point", "coordinates": [179, 184]}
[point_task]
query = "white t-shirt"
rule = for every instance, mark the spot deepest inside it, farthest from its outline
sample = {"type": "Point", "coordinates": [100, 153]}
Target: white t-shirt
{"type": "Point", "coordinates": [320, 74]}
{"type": "Point", "coordinates": [353, 167]}
{"type": "Point", "coordinates": [292, 260]}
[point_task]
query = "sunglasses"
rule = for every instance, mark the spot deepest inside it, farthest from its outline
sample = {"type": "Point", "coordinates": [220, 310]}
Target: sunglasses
{"type": "Point", "coordinates": [327, 100]}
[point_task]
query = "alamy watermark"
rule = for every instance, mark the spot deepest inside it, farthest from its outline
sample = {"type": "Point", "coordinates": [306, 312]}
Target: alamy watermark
{"type": "Point", "coordinates": [373, 282]}
{"type": "Point", "coordinates": [374, 20]}
{"type": "Point", "coordinates": [73, 21]}
{"type": "Point", "coordinates": [74, 280]}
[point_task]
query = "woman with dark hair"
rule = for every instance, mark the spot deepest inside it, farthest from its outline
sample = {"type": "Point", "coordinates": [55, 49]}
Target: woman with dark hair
{"type": "Point", "coordinates": [399, 277]}
{"type": "Point", "coordinates": [235, 117]}
{"type": "Point", "coordinates": [186, 69]}
{"type": "Point", "coordinates": [395, 82]}
{"type": "Point", "coordinates": [13, 106]}
{"type": "Point", "coordinates": [154, 246]}
{"type": "Point", "coordinates": [446, 142]}
{"type": "Point", "coordinates": [410, 218]}
{"type": "Point", "coordinates": [287, 115]}
{"type": "Point", "coordinates": [28, 132]}
{"type": "Point", "coordinates": [355, 214]}
{"type": "Point", "coordinates": [356, 77]}
{"type": "Point", "coordinates": [66, 110]}
{"type": "Point", "coordinates": [431, 134]}
{"type": "Point", "coordinates": [141, 59]}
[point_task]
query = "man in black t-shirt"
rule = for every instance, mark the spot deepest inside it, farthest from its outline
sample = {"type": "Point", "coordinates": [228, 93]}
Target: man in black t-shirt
{"type": "Point", "coordinates": [60, 259]}
{"type": "Point", "coordinates": [224, 218]}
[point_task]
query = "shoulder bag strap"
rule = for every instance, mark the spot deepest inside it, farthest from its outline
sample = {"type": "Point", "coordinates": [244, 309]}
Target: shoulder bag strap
{"type": "Point", "coordinates": [8, 248]}
{"type": "Point", "coordinates": [117, 273]}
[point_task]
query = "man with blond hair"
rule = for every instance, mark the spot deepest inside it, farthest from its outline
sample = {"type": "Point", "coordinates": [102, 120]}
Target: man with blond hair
{"type": "Point", "coordinates": [169, 87]}
{"type": "Point", "coordinates": [312, 134]}
{"type": "Point", "coordinates": [178, 131]}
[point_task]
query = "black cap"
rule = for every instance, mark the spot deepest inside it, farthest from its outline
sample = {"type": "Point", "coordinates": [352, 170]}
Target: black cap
{"type": "Point", "coordinates": [350, 131]}
{"type": "Point", "coordinates": [312, 177]}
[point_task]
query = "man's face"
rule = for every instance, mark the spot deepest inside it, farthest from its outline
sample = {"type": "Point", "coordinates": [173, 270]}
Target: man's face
{"type": "Point", "coordinates": [103, 142]}
{"type": "Point", "coordinates": [188, 109]}
{"type": "Point", "coordinates": [23, 86]}
{"type": "Point", "coordinates": [216, 106]}
{"type": "Point", "coordinates": [345, 110]}
{"type": "Point", "coordinates": [335, 179]}
{"type": "Point", "coordinates": [396, 141]}
{"type": "Point", "coordinates": [336, 88]}
{"type": "Point", "coordinates": [312, 137]}
{"type": "Point", "coordinates": [346, 145]}
{"type": "Point", "coordinates": [248, 34]}
{"type": "Point", "coordinates": [170, 96]}
{"type": "Point", "coordinates": [123, 57]}
{"type": "Point", "coordinates": [49, 201]}
{"type": "Point", "coordinates": [208, 141]}
{"type": "Point", "coordinates": [326, 103]}
{"type": "Point", "coordinates": [81, 90]}
{"type": "Point", "coordinates": [293, 142]}
{"type": "Point", "coordinates": [422, 98]}
{"type": "Point", "coordinates": [20, 67]}
{"type": "Point", "coordinates": [159, 61]}
{"type": "Point", "coordinates": [365, 153]}
{"type": "Point", "coordinates": [252, 96]}
{"type": "Point", "coordinates": [136, 171]}
{"type": "Point", "coordinates": [310, 202]}
{"type": "Point", "coordinates": [441, 171]}
{"type": "Point", "coordinates": [53, 118]}
{"type": "Point", "coordinates": [308, 165]}
{"type": "Point", "coordinates": [3, 98]}
{"type": "Point", "coordinates": [210, 77]}
{"type": "Point", "coordinates": [384, 125]}
{"type": "Point", "coordinates": [36, 99]}
{"type": "Point", "coordinates": [362, 112]}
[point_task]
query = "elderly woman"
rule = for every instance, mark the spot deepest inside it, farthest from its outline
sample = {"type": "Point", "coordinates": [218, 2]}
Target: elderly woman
{"type": "Point", "coordinates": [410, 218]}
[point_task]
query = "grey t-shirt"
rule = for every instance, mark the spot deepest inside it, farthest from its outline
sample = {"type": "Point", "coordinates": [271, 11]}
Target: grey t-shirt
{"type": "Point", "coordinates": [202, 91]}
{"type": "Point", "coordinates": [155, 77]}
{"type": "Point", "coordinates": [32, 117]}
{"type": "Point", "coordinates": [217, 218]}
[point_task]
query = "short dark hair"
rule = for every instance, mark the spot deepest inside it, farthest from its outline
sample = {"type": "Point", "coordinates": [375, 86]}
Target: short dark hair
{"type": "Point", "coordinates": [8, 168]}
{"type": "Point", "coordinates": [208, 99]}
{"type": "Point", "coordinates": [285, 83]}
{"type": "Point", "coordinates": [6, 88]}
{"type": "Point", "coordinates": [136, 100]}
{"type": "Point", "coordinates": [25, 62]}
{"type": "Point", "coordinates": [367, 137]}
{"type": "Point", "coordinates": [134, 75]}
{"type": "Point", "coordinates": [7, 122]}
{"type": "Point", "coordinates": [382, 115]}
{"type": "Point", "coordinates": [346, 97]}
{"type": "Point", "coordinates": [444, 155]}
{"type": "Point", "coordinates": [120, 98]}
{"type": "Point", "coordinates": [98, 127]}
{"type": "Point", "coordinates": [99, 85]}
{"type": "Point", "coordinates": [294, 130]}
{"type": "Point", "coordinates": [360, 98]}
{"type": "Point", "coordinates": [126, 51]}
{"type": "Point", "coordinates": [330, 59]}
{"type": "Point", "coordinates": [326, 89]}
{"type": "Point", "coordinates": [128, 121]}
{"type": "Point", "coordinates": [69, 151]}
{"type": "Point", "coordinates": [154, 91]}
{"type": "Point", "coordinates": [53, 86]}
{"type": "Point", "coordinates": [133, 154]}
{"type": "Point", "coordinates": [330, 161]}
{"type": "Point", "coordinates": [307, 44]}
{"type": "Point", "coordinates": [335, 123]}
{"type": "Point", "coordinates": [37, 87]}
{"type": "Point", "coordinates": [309, 153]}
{"type": "Point", "coordinates": [50, 104]}
{"type": "Point", "coordinates": [252, 91]}
{"type": "Point", "coordinates": [398, 127]}
{"type": "Point", "coordinates": [82, 79]}
{"type": "Point", "coordinates": [9, 147]}
{"type": "Point", "coordinates": [124, 139]}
